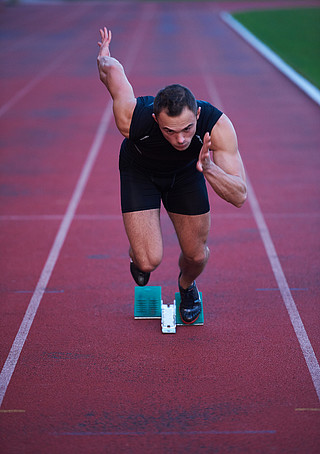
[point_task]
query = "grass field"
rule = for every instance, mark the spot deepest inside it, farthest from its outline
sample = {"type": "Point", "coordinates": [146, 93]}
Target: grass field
{"type": "Point", "coordinates": [293, 34]}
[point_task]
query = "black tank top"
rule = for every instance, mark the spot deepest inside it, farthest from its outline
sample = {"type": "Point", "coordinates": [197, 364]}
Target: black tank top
{"type": "Point", "coordinates": [149, 147]}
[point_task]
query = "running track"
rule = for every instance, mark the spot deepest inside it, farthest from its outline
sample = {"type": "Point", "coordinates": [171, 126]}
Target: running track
{"type": "Point", "coordinates": [80, 375]}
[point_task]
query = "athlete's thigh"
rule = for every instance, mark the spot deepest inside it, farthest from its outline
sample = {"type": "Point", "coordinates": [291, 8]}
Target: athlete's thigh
{"type": "Point", "coordinates": [144, 234]}
{"type": "Point", "coordinates": [192, 232]}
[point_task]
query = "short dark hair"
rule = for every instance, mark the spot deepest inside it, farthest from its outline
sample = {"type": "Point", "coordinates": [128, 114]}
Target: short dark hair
{"type": "Point", "coordinates": [173, 99]}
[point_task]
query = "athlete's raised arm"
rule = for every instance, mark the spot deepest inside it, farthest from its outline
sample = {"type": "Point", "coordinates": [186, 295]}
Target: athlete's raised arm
{"type": "Point", "coordinates": [224, 172]}
{"type": "Point", "coordinates": [114, 78]}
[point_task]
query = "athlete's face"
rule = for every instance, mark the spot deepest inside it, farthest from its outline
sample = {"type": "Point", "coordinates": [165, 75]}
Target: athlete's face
{"type": "Point", "coordinates": [178, 131]}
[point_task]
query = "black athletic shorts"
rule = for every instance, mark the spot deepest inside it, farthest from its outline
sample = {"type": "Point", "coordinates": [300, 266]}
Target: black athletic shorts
{"type": "Point", "coordinates": [182, 192]}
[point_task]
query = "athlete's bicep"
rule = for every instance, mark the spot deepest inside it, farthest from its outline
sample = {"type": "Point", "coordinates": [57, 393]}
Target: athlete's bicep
{"type": "Point", "coordinates": [123, 108]}
{"type": "Point", "coordinates": [124, 103]}
{"type": "Point", "coordinates": [224, 144]}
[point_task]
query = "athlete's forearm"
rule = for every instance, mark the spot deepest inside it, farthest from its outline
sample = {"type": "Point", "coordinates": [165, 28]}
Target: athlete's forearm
{"type": "Point", "coordinates": [231, 188]}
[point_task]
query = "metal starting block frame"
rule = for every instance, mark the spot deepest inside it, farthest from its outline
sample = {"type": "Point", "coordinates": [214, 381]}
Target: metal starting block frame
{"type": "Point", "coordinates": [148, 304]}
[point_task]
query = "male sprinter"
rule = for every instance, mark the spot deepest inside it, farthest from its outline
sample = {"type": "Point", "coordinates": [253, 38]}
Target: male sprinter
{"type": "Point", "coordinates": [165, 156]}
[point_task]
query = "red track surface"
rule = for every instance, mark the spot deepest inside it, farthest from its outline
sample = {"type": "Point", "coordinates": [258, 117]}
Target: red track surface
{"type": "Point", "coordinates": [91, 379]}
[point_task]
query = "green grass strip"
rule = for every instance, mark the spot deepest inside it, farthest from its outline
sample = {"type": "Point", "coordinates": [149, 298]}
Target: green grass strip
{"type": "Point", "coordinates": [294, 34]}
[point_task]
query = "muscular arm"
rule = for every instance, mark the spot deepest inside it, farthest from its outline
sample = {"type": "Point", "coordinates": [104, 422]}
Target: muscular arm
{"type": "Point", "coordinates": [112, 75]}
{"type": "Point", "coordinates": [224, 172]}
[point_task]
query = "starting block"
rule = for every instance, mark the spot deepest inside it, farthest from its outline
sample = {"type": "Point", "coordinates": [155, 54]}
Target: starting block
{"type": "Point", "coordinates": [199, 321]}
{"type": "Point", "coordinates": [148, 304]}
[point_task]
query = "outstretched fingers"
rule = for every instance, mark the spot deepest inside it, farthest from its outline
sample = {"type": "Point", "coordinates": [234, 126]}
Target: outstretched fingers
{"type": "Point", "coordinates": [106, 36]}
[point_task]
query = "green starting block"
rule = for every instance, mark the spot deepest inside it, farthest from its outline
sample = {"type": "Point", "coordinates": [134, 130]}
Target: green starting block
{"type": "Point", "coordinates": [148, 304]}
{"type": "Point", "coordinates": [199, 321]}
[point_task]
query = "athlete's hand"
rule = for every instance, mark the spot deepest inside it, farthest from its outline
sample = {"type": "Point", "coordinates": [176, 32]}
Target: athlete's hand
{"type": "Point", "coordinates": [204, 161]}
{"type": "Point", "coordinates": [105, 42]}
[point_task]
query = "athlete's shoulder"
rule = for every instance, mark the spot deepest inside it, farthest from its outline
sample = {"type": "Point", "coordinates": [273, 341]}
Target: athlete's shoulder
{"type": "Point", "coordinates": [142, 120]}
{"type": "Point", "coordinates": [207, 107]}
{"type": "Point", "coordinates": [209, 115]}
{"type": "Point", "coordinates": [145, 102]}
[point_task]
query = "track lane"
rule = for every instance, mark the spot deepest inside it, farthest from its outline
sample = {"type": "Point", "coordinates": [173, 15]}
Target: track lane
{"type": "Point", "coordinates": [112, 379]}
{"type": "Point", "coordinates": [31, 311]}
{"type": "Point", "coordinates": [291, 174]}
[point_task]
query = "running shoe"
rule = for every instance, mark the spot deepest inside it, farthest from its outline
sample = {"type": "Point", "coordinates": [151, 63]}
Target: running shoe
{"type": "Point", "coordinates": [140, 277]}
{"type": "Point", "coordinates": [190, 305]}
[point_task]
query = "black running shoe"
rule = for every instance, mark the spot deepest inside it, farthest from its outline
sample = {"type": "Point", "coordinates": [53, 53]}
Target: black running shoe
{"type": "Point", "coordinates": [140, 277]}
{"type": "Point", "coordinates": [190, 306]}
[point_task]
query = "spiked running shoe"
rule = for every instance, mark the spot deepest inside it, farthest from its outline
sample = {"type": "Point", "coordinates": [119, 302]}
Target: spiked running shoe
{"type": "Point", "coordinates": [190, 306]}
{"type": "Point", "coordinates": [140, 277]}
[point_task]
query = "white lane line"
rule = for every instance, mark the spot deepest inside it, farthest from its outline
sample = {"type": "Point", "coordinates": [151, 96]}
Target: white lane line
{"type": "Point", "coordinates": [288, 300]}
{"type": "Point", "coordinates": [272, 57]}
{"type": "Point", "coordinates": [279, 275]}
{"type": "Point", "coordinates": [33, 306]}
{"type": "Point", "coordinates": [116, 217]}
{"type": "Point", "coordinates": [165, 433]}
{"type": "Point", "coordinates": [58, 217]}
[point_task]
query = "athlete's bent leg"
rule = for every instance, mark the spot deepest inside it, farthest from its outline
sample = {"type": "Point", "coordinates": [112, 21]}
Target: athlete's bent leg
{"type": "Point", "coordinates": [144, 235]}
{"type": "Point", "coordinates": [192, 233]}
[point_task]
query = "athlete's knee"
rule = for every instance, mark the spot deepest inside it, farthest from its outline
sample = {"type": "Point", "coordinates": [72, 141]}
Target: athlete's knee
{"type": "Point", "coordinates": [199, 256]}
{"type": "Point", "coordinates": [148, 262]}
{"type": "Point", "coordinates": [148, 266]}
{"type": "Point", "coordinates": [202, 256]}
